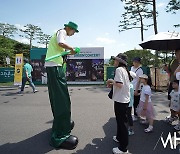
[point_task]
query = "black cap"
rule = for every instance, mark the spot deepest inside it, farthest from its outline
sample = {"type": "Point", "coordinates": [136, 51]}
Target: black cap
{"type": "Point", "coordinates": [137, 59]}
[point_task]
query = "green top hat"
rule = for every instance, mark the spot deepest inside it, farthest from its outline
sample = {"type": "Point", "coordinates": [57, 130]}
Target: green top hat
{"type": "Point", "coordinates": [72, 25]}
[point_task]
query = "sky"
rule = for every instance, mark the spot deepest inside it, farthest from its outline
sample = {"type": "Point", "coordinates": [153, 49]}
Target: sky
{"type": "Point", "coordinates": [97, 21]}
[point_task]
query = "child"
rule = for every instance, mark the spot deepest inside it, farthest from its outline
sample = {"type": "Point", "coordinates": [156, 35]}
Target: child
{"type": "Point", "coordinates": [145, 107]}
{"type": "Point", "coordinates": [174, 104]}
{"type": "Point", "coordinates": [129, 116]}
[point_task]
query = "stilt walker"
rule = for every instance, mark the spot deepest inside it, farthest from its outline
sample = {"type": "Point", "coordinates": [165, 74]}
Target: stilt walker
{"type": "Point", "coordinates": [58, 91]}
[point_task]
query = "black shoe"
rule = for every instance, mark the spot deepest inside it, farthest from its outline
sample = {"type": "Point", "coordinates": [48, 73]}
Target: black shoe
{"type": "Point", "coordinates": [70, 143]}
{"type": "Point", "coordinates": [72, 124]}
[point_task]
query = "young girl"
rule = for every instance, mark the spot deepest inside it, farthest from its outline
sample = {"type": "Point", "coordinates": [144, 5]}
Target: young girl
{"type": "Point", "coordinates": [174, 103]}
{"type": "Point", "coordinates": [145, 108]}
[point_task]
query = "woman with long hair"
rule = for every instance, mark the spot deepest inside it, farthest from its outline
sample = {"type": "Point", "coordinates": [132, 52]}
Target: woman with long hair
{"type": "Point", "coordinates": [121, 98]}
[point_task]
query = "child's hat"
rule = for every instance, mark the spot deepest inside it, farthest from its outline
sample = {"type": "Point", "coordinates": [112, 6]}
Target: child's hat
{"type": "Point", "coordinates": [144, 76]}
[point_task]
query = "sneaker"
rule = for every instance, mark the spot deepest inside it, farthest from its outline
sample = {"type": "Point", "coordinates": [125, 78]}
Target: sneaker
{"type": "Point", "coordinates": [177, 127]}
{"type": "Point", "coordinates": [117, 151]}
{"type": "Point", "coordinates": [20, 92]}
{"type": "Point", "coordinates": [35, 91]}
{"type": "Point", "coordinates": [130, 132]}
{"type": "Point", "coordinates": [115, 139]}
{"type": "Point", "coordinates": [170, 119]}
{"type": "Point", "coordinates": [149, 129]}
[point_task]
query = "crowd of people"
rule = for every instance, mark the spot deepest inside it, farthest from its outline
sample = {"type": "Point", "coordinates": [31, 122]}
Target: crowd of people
{"type": "Point", "coordinates": [132, 89]}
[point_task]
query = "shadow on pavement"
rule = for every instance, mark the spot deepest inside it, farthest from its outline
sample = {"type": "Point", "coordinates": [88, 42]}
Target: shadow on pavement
{"type": "Point", "coordinates": [140, 143]}
{"type": "Point", "coordinates": [101, 145]}
{"type": "Point", "coordinates": [16, 93]}
{"type": "Point", "coordinates": [38, 144]}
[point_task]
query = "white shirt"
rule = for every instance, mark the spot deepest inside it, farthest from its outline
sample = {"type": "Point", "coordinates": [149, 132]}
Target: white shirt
{"type": "Point", "coordinates": [138, 72]}
{"type": "Point", "coordinates": [122, 94]}
{"type": "Point", "coordinates": [146, 90]}
{"type": "Point", "coordinates": [61, 37]}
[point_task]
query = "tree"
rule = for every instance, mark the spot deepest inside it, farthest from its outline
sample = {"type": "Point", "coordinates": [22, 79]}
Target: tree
{"type": "Point", "coordinates": [7, 30]}
{"type": "Point", "coordinates": [173, 6]}
{"type": "Point", "coordinates": [135, 14]}
{"type": "Point", "coordinates": [31, 32]}
{"type": "Point", "coordinates": [147, 58]}
{"type": "Point", "coordinates": [44, 39]}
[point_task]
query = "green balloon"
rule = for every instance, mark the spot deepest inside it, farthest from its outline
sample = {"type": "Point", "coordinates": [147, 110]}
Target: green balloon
{"type": "Point", "coordinates": [77, 51]}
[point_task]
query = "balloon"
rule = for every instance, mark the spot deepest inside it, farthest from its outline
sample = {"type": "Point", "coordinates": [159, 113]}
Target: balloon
{"type": "Point", "coordinates": [77, 50]}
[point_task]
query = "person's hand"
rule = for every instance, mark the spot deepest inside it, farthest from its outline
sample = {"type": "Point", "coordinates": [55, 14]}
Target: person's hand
{"type": "Point", "coordinates": [73, 52]}
{"type": "Point", "coordinates": [109, 83]}
{"type": "Point", "coordinates": [136, 93]}
{"type": "Point", "coordinates": [28, 78]}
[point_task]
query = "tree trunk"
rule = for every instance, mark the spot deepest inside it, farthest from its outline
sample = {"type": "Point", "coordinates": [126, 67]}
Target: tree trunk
{"type": "Point", "coordinates": [154, 17]}
{"type": "Point", "coordinates": [30, 43]}
{"type": "Point", "coordinates": [142, 26]}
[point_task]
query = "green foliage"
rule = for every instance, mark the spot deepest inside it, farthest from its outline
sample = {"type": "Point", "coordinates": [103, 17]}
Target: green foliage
{"type": "Point", "coordinates": [173, 6]}
{"type": "Point", "coordinates": [7, 30]}
{"type": "Point", "coordinates": [10, 47]}
{"type": "Point", "coordinates": [134, 16]}
{"type": "Point", "coordinates": [31, 32]}
{"type": "Point", "coordinates": [44, 39]}
{"type": "Point", "coordinates": [147, 58]}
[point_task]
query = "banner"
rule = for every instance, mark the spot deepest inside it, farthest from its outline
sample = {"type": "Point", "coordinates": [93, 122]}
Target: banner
{"type": "Point", "coordinates": [87, 67]}
{"type": "Point", "coordinates": [18, 69]}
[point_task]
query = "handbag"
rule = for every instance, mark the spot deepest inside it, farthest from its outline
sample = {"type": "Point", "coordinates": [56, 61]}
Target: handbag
{"type": "Point", "coordinates": [110, 93]}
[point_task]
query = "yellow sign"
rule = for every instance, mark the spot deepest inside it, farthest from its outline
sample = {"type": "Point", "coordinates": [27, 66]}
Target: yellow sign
{"type": "Point", "coordinates": [18, 69]}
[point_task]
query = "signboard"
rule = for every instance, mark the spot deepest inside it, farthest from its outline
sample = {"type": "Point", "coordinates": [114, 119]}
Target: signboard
{"type": "Point", "coordinates": [86, 67]}
{"type": "Point", "coordinates": [18, 69]}
{"type": "Point", "coordinates": [37, 56]}
{"type": "Point", "coordinates": [6, 74]}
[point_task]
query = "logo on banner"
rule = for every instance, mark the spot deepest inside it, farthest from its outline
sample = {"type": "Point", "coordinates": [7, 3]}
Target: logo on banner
{"type": "Point", "coordinates": [172, 140]}
{"type": "Point", "coordinates": [18, 69]}
{"type": "Point", "coordinates": [18, 60]}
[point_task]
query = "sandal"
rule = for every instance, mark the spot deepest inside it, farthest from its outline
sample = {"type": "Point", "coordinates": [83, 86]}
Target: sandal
{"type": "Point", "coordinates": [148, 130]}
{"type": "Point", "coordinates": [177, 127]}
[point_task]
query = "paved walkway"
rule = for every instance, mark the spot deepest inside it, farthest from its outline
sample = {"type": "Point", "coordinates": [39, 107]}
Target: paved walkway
{"type": "Point", "coordinates": [26, 120]}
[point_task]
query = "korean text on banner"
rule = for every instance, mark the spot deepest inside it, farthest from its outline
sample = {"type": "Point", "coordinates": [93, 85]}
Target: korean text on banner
{"type": "Point", "coordinates": [18, 69]}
